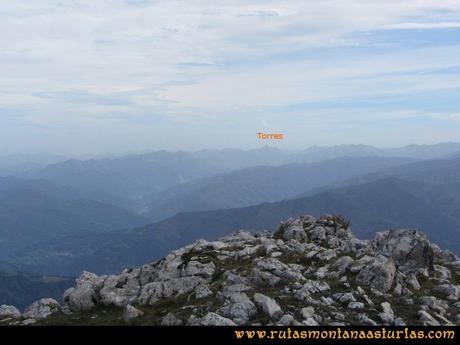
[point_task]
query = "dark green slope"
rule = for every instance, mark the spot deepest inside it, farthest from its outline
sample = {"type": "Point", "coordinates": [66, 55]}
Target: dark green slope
{"type": "Point", "coordinates": [35, 211]}
{"type": "Point", "coordinates": [22, 289]}
{"type": "Point", "coordinates": [371, 207]}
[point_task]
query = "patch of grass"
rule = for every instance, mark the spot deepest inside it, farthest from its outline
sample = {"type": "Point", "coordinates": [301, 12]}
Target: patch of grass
{"type": "Point", "coordinates": [454, 275]}
{"type": "Point", "coordinates": [278, 235]}
{"type": "Point", "coordinates": [186, 258]}
{"type": "Point", "coordinates": [154, 313]}
{"type": "Point", "coordinates": [306, 225]}
{"type": "Point", "coordinates": [299, 259]}
{"type": "Point", "coordinates": [182, 306]}
{"type": "Point", "coordinates": [340, 221]}
{"type": "Point", "coordinates": [100, 316]}
{"type": "Point", "coordinates": [337, 286]}
{"type": "Point", "coordinates": [287, 302]}
{"type": "Point", "coordinates": [260, 252]}
{"type": "Point", "coordinates": [405, 311]}
{"type": "Point", "coordinates": [325, 244]}
{"type": "Point", "coordinates": [427, 288]}
{"type": "Point", "coordinates": [373, 314]}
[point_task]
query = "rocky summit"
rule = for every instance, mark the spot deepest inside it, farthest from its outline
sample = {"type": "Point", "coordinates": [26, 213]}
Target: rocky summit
{"type": "Point", "coordinates": [308, 272]}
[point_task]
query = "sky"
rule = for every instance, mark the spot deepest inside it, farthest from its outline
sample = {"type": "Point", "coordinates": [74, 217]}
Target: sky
{"type": "Point", "coordinates": [91, 77]}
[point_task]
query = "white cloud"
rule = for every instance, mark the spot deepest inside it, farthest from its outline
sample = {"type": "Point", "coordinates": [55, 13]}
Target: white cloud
{"type": "Point", "coordinates": [417, 26]}
{"type": "Point", "coordinates": [110, 46]}
{"type": "Point", "coordinates": [455, 117]}
{"type": "Point", "coordinates": [312, 81]}
{"type": "Point", "coordinates": [201, 59]}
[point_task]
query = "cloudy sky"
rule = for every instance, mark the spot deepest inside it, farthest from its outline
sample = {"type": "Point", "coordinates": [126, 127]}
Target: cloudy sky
{"type": "Point", "coordinates": [84, 76]}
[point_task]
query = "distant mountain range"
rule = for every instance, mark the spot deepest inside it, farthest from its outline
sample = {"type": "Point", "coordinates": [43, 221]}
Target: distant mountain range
{"type": "Point", "coordinates": [17, 164]}
{"type": "Point", "coordinates": [259, 184]}
{"type": "Point", "coordinates": [427, 198]}
{"type": "Point", "coordinates": [318, 153]}
{"type": "Point", "coordinates": [137, 176]}
{"type": "Point", "coordinates": [135, 179]}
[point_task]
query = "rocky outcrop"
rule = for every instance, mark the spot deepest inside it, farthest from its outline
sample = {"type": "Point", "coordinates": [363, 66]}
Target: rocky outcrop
{"type": "Point", "coordinates": [41, 309]}
{"type": "Point", "coordinates": [82, 296]}
{"type": "Point", "coordinates": [378, 273]}
{"type": "Point", "coordinates": [409, 249]}
{"type": "Point", "coordinates": [268, 305]}
{"type": "Point", "coordinates": [387, 315]}
{"type": "Point", "coordinates": [212, 319]}
{"type": "Point", "coordinates": [308, 272]}
{"type": "Point", "coordinates": [9, 312]}
{"type": "Point", "coordinates": [130, 313]}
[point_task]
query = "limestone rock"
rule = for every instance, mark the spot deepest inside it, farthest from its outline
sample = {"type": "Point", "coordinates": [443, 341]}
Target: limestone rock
{"type": "Point", "coordinates": [292, 229]}
{"type": "Point", "coordinates": [42, 308]}
{"type": "Point", "coordinates": [119, 290]}
{"type": "Point", "coordinates": [213, 319]}
{"type": "Point", "coordinates": [387, 315]}
{"type": "Point", "coordinates": [427, 320]}
{"type": "Point", "coordinates": [196, 268]}
{"type": "Point", "coordinates": [202, 291]}
{"type": "Point", "coordinates": [413, 283]}
{"type": "Point", "coordinates": [289, 320]}
{"type": "Point", "coordinates": [378, 275]}
{"type": "Point", "coordinates": [310, 322]}
{"type": "Point", "coordinates": [28, 322]}
{"type": "Point", "coordinates": [237, 304]}
{"type": "Point", "coordinates": [171, 320]}
{"type": "Point", "coordinates": [434, 304]}
{"type": "Point", "coordinates": [344, 297]}
{"type": "Point", "coordinates": [83, 296]}
{"type": "Point", "coordinates": [343, 264]}
{"type": "Point", "coordinates": [355, 305]}
{"type": "Point", "coordinates": [130, 313]}
{"type": "Point", "coordinates": [409, 249]}
{"type": "Point", "coordinates": [268, 305]}
{"type": "Point", "coordinates": [153, 292]}
{"type": "Point", "coordinates": [365, 320]}
{"type": "Point", "coordinates": [451, 291]}
{"type": "Point", "coordinates": [9, 311]}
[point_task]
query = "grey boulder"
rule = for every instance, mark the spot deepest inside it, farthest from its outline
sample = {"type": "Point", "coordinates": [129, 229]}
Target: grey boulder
{"type": "Point", "coordinates": [41, 309]}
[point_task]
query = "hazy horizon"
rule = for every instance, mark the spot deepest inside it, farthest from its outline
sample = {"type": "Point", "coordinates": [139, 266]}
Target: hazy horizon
{"type": "Point", "coordinates": [112, 76]}
{"type": "Point", "coordinates": [115, 154]}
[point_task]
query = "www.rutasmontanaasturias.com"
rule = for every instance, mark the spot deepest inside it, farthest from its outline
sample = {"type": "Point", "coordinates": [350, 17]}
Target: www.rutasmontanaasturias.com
{"type": "Point", "coordinates": [339, 333]}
